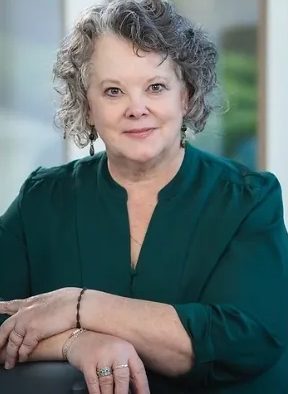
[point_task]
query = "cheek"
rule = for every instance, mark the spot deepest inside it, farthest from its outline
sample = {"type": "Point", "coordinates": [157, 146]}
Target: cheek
{"type": "Point", "coordinates": [103, 115]}
{"type": "Point", "coordinates": [177, 102]}
{"type": "Point", "coordinates": [172, 110]}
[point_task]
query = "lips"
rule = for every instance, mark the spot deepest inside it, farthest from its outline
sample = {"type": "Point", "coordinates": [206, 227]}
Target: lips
{"type": "Point", "coordinates": [139, 133]}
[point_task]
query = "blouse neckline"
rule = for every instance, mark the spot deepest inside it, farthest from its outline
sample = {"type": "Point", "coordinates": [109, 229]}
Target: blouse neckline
{"type": "Point", "coordinates": [173, 188]}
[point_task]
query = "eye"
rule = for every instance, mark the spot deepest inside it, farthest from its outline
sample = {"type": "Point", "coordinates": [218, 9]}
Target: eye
{"type": "Point", "coordinates": [157, 87]}
{"type": "Point", "coordinates": [113, 92]}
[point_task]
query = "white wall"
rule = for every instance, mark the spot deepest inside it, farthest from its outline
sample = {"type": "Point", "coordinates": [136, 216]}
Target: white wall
{"type": "Point", "coordinates": [72, 9]}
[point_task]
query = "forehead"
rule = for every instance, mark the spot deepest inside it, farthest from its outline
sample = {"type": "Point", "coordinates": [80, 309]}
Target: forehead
{"type": "Point", "coordinates": [115, 56]}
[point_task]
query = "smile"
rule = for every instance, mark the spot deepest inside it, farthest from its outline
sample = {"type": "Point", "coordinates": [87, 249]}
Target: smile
{"type": "Point", "coordinates": [139, 133]}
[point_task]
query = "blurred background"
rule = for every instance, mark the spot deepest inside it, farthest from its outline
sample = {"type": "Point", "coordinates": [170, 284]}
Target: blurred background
{"type": "Point", "coordinates": [253, 64]}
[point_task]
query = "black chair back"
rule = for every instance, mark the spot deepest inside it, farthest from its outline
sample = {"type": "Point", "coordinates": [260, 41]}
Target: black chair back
{"type": "Point", "coordinates": [42, 377]}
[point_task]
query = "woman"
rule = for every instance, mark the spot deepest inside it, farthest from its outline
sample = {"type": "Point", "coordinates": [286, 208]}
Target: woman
{"type": "Point", "coordinates": [184, 255]}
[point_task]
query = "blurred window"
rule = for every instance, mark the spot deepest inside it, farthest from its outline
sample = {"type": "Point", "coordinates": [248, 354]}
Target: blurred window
{"type": "Point", "coordinates": [233, 25]}
{"type": "Point", "coordinates": [30, 31]}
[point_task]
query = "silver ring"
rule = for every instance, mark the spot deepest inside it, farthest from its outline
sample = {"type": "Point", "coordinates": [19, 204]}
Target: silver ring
{"type": "Point", "coordinates": [121, 366]}
{"type": "Point", "coordinates": [106, 371]}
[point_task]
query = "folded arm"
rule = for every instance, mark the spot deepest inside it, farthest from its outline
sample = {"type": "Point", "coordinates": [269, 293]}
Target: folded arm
{"type": "Point", "coordinates": [238, 327]}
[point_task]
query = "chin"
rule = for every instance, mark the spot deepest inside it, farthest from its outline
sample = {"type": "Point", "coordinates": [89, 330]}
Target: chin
{"type": "Point", "coordinates": [145, 154]}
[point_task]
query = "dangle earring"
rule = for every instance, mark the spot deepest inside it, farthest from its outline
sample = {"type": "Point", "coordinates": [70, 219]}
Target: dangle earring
{"type": "Point", "coordinates": [183, 135]}
{"type": "Point", "coordinates": [92, 138]}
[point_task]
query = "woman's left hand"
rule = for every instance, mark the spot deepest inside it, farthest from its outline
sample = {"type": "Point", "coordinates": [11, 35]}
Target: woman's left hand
{"type": "Point", "coordinates": [35, 318]}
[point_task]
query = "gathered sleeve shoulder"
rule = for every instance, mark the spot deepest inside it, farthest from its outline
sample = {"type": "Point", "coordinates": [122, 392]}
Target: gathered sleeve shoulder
{"type": "Point", "coordinates": [239, 326]}
{"type": "Point", "coordinates": [14, 259]}
{"type": "Point", "coordinates": [16, 227]}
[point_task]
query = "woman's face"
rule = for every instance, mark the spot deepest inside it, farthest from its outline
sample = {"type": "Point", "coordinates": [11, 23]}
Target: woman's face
{"type": "Point", "coordinates": [136, 103]}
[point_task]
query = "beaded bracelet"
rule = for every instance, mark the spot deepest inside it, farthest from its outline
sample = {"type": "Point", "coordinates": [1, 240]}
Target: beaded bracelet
{"type": "Point", "coordinates": [75, 334]}
{"type": "Point", "coordinates": [78, 323]}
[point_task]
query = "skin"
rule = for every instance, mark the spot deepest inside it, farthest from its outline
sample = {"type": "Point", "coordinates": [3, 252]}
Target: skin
{"type": "Point", "coordinates": [91, 351]}
{"type": "Point", "coordinates": [147, 94]}
{"type": "Point", "coordinates": [125, 92]}
{"type": "Point", "coordinates": [113, 352]}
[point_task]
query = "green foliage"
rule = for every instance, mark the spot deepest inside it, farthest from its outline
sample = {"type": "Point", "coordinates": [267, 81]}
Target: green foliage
{"type": "Point", "coordinates": [239, 79]}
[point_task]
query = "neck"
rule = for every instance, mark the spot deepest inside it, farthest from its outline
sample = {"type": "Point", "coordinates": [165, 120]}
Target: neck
{"type": "Point", "coordinates": [145, 178]}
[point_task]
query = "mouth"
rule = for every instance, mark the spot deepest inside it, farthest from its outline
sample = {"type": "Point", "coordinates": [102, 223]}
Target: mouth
{"type": "Point", "coordinates": [139, 133]}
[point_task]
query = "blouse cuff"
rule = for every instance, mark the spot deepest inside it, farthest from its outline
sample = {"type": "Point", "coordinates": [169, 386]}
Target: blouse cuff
{"type": "Point", "coordinates": [196, 319]}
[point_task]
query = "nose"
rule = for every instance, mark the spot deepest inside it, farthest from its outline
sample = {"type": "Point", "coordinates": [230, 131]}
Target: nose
{"type": "Point", "coordinates": [136, 107]}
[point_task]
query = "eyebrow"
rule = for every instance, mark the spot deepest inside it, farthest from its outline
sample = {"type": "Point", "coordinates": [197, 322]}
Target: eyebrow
{"type": "Point", "coordinates": [116, 82]}
{"type": "Point", "coordinates": [158, 77]}
{"type": "Point", "coordinates": [112, 81]}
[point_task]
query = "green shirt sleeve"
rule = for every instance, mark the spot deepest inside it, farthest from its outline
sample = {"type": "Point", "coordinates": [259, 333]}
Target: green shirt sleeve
{"type": "Point", "coordinates": [14, 262]}
{"type": "Point", "coordinates": [239, 328]}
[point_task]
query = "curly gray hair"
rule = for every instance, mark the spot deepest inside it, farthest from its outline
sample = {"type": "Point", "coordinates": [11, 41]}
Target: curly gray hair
{"type": "Point", "coordinates": [151, 25]}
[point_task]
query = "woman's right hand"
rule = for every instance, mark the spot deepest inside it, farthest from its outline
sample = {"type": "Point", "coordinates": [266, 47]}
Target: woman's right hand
{"type": "Point", "coordinates": [90, 352]}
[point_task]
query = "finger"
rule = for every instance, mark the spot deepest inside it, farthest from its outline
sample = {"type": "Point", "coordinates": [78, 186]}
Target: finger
{"type": "Point", "coordinates": [10, 307]}
{"type": "Point", "coordinates": [138, 376]}
{"type": "Point", "coordinates": [106, 383]}
{"type": "Point", "coordinates": [14, 343]}
{"type": "Point", "coordinates": [5, 330]}
{"type": "Point", "coordinates": [29, 343]}
{"type": "Point", "coordinates": [121, 375]}
{"type": "Point", "coordinates": [91, 380]}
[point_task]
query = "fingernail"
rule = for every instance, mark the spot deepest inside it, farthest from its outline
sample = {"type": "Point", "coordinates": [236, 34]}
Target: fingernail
{"type": "Point", "coordinates": [7, 365]}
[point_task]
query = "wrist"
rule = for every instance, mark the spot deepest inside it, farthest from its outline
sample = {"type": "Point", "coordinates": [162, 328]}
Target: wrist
{"type": "Point", "coordinates": [96, 310]}
{"type": "Point", "coordinates": [70, 341]}
{"type": "Point", "coordinates": [50, 348]}
{"type": "Point", "coordinates": [78, 307]}
{"type": "Point", "coordinates": [71, 297]}
{"type": "Point", "coordinates": [92, 310]}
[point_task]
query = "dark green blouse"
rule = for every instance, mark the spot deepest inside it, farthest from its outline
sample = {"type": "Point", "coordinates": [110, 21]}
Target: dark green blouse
{"type": "Point", "coordinates": [216, 249]}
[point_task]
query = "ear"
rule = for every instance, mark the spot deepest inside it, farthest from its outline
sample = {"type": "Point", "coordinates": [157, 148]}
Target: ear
{"type": "Point", "coordinates": [90, 120]}
{"type": "Point", "coordinates": [184, 99]}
